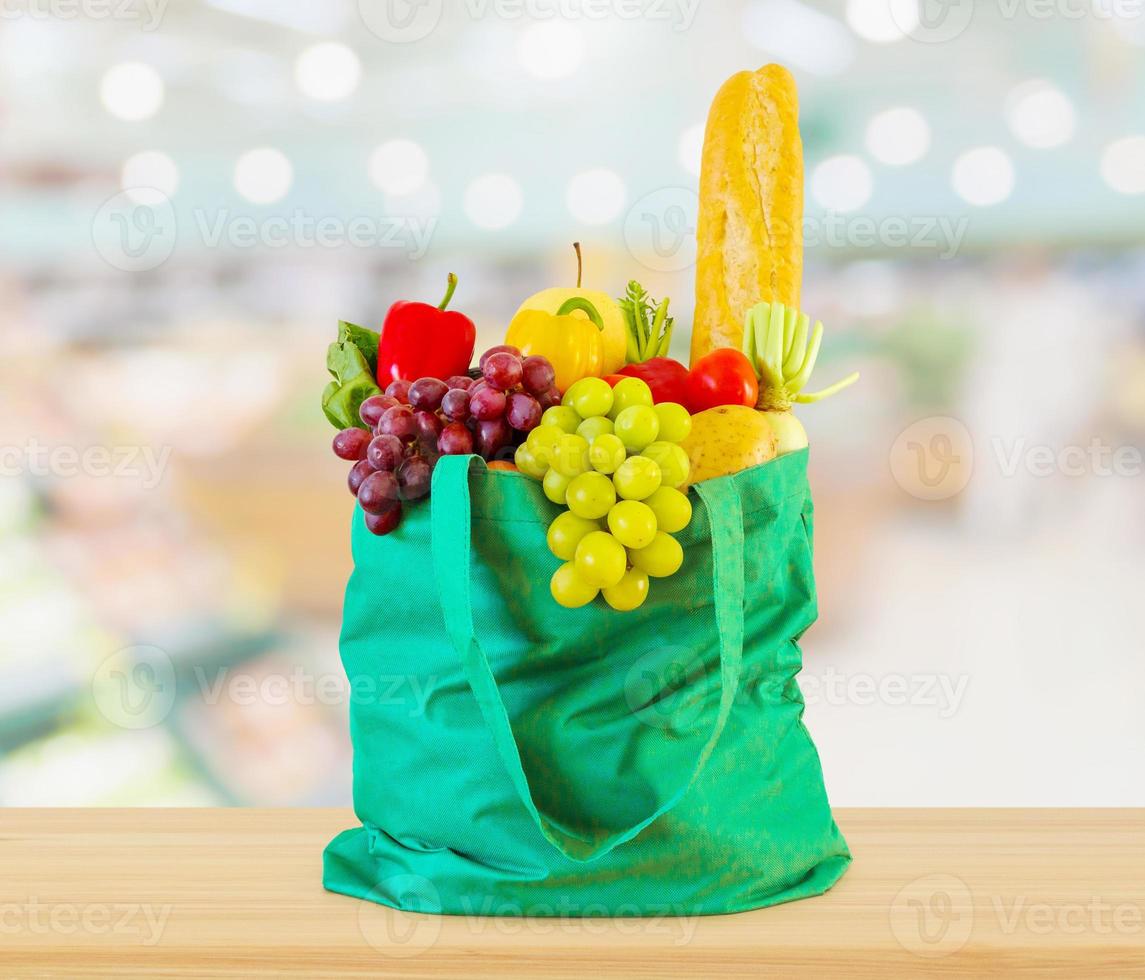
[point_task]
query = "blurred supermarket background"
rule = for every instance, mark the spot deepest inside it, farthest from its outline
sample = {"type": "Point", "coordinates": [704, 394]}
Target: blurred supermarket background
{"type": "Point", "coordinates": [193, 192]}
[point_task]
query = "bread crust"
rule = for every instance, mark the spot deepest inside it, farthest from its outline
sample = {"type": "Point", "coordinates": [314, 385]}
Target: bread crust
{"type": "Point", "coordinates": [750, 231]}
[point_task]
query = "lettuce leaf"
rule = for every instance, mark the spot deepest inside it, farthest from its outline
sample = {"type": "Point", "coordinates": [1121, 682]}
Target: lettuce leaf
{"type": "Point", "coordinates": [352, 361]}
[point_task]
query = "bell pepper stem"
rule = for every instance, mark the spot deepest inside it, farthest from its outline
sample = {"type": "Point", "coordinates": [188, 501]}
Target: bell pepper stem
{"type": "Point", "coordinates": [579, 264]}
{"type": "Point", "coordinates": [585, 307]}
{"type": "Point", "coordinates": [450, 286]}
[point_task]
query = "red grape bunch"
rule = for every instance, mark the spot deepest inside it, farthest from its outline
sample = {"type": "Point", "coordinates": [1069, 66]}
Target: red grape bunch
{"type": "Point", "coordinates": [409, 427]}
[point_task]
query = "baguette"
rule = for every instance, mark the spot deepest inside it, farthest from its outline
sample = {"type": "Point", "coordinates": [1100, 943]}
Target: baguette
{"type": "Point", "coordinates": [750, 230]}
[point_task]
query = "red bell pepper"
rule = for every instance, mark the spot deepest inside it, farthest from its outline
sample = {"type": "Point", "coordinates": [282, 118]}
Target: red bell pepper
{"type": "Point", "coordinates": [423, 341]}
{"type": "Point", "coordinates": [667, 378]}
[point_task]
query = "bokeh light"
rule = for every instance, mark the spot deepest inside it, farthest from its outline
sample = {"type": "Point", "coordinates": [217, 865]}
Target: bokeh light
{"type": "Point", "coordinates": [1123, 165]}
{"type": "Point", "coordinates": [132, 91]}
{"type": "Point", "coordinates": [983, 176]}
{"type": "Point", "coordinates": [1040, 114]}
{"type": "Point", "coordinates": [882, 21]}
{"type": "Point", "coordinates": [595, 197]}
{"type": "Point", "coordinates": [399, 166]}
{"type": "Point", "coordinates": [842, 184]}
{"type": "Point", "coordinates": [149, 177]}
{"type": "Point", "coordinates": [898, 137]}
{"type": "Point", "coordinates": [263, 176]}
{"type": "Point", "coordinates": [494, 201]}
{"type": "Point", "coordinates": [551, 49]}
{"type": "Point", "coordinates": [328, 72]}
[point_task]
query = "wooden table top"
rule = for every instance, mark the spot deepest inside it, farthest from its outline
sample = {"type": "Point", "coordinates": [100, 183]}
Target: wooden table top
{"type": "Point", "coordinates": [166, 893]}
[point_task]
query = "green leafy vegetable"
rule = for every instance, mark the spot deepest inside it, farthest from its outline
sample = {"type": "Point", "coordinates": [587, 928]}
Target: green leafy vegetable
{"type": "Point", "coordinates": [649, 328]}
{"type": "Point", "coordinates": [352, 361]}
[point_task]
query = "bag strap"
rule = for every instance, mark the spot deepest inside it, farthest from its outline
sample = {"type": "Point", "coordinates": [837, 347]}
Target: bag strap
{"type": "Point", "coordinates": [452, 547]}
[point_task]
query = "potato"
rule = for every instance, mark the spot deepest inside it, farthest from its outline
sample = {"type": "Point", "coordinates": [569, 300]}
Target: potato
{"type": "Point", "coordinates": [728, 439]}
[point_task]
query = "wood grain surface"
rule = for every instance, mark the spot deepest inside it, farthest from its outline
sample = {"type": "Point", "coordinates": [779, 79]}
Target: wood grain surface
{"type": "Point", "coordinates": [204, 893]}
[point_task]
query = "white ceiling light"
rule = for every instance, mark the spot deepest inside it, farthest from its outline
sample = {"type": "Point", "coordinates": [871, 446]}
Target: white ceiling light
{"type": "Point", "coordinates": [690, 150]}
{"type": "Point", "coordinates": [983, 176]}
{"type": "Point", "coordinates": [882, 21]}
{"type": "Point", "coordinates": [149, 177]}
{"type": "Point", "coordinates": [800, 35]}
{"type": "Point", "coordinates": [399, 167]}
{"type": "Point", "coordinates": [493, 201]}
{"type": "Point", "coordinates": [328, 72]}
{"type": "Point", "coordinates": [1123, 165]}
{"type": "Point", "coordinates": [550, 49]}
{"type": "Point", "coordinates": [131, 91]}
{"type": "Point", "coordinates": [263, 176]}
{"type": "Point", "coordinates": [842, 184]}
{"type": "Point", "coordinates": [1040, 115]}
{"type": "Point", "coordinates": [898, 136]}
{"type": "Point", "coordinates": [595, 197]}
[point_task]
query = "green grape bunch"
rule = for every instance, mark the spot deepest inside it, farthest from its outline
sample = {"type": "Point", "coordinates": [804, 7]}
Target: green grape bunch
{"type": "Point", "coordinates": [613, 460]}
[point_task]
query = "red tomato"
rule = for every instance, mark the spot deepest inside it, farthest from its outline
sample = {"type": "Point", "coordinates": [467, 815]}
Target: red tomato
{"type": "Point", "coordinates": [723, 377]}
{"type": "Point", "coordinates": [614, 379]}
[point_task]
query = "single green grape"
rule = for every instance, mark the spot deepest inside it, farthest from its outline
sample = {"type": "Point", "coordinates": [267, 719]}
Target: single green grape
{"type": "Point", "coordinates": [672, 508]}
{"type": "Point", "coordinates": [675, 422]}
{"type": "Point", "coordinates": [556, 486]}
{"type": "Point", "coordinates": [637, 478]}
{"type": "Point", "coordinates": [632, 523]}
{"type": "Point", "coordinates": [590, 397]}
{"type": "Point", "coordinates": [629, 392]}
{"type": "Point", "coordinates": [570, 589]}
{"type": "Point", "coordinates": [528, 464]}
{"type": "Point", "coordinates": [591, 495]}
{"type": "Point", "coordinates": [542, 441]}
{"type": "Point", "coordinates": [637, 427]}
{"type": "Point", "coordinates": [601, 560]}
{"type": "Point", "coordinates": [598, 425]}
{"type": "Point", "coordinates": [563, 417]}
{"type": "Point", "coordinates": [570, 458]}
{"type": "Point", "coordinates": [663, 557]}
{"type": "Point", "coordinates": [607, 453]}
{"type": "Point", "coordinates": [629, 593]}
{"type": "Point", "coordinates": [565, 533]}
{"type": "Point", "coordinates": [675, 467]}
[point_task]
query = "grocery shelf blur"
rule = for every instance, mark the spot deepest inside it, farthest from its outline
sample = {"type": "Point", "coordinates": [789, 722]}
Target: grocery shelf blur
{"type": "Point", "coordinates": [978, 257]}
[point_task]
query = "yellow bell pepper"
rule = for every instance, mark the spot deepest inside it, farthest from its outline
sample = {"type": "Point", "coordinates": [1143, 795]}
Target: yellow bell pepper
{"type": "Point", "coordinates": [573, 345]}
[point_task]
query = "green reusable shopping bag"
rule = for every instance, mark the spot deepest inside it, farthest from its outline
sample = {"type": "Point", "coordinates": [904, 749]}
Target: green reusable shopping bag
{"type": "Point", "coordinates": [513, 757]}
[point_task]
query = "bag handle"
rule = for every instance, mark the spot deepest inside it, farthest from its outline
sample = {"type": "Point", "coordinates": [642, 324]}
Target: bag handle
{"type": "Point", "coordinates": [452, 547]}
